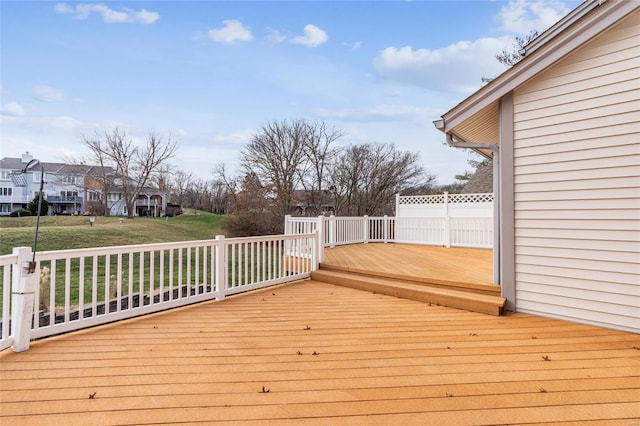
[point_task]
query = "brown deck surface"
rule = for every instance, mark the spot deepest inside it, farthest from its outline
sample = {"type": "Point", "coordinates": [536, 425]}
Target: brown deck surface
{"type": "Point", "coordinates": [313, 353]}
{"type": "Point", "coordinates": [437, 263]}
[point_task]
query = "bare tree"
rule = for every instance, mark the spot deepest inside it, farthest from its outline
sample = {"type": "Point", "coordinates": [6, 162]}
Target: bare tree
{"type": "Point", "coordinates": [133, 164]}
{"type": "Point", "coordinates": [276, 155]}
{"type": "Point", "coordinates": [513, 56]}
{"type": "Point", "coordinates": [510, 57]}
{"type": "Point", "coordinates": [100, 178]}
{"type": "Point", "coordinates": [366, 178]}
{"type": "Point", "coordinates": [180, 183]}
{"type": "Point", "coordinates": [320, 153]}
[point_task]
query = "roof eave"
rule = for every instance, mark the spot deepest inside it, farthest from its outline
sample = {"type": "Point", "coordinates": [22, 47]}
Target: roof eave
{"type": "Point", "coordinates": [582, 26]}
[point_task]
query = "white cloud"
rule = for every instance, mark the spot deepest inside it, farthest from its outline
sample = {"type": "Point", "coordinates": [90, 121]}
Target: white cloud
{"type": "Point", "coordinates": [47, 94]}
{"type": "Point", "coordinates": [458, 67]}
{"type": "Point", "coordinates": [12, 109]}
{"type": "Point", "coordinates": [231, 32]}
{"type": "Point", "coordinates": [313, 36]}
{"type": "Point", "coordinates": [110, 16]}
{"type": "Point", "coordinates": [523, 16]}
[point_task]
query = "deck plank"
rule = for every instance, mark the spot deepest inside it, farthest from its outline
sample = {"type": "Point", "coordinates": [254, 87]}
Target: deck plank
{"type": "Point", "coordinates": [379, 360]}
{"type": "Point", "coordinates": [437, 263]}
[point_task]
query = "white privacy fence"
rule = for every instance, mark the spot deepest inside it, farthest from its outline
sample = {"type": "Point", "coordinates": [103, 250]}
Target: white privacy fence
{"type": "Point", "coordinates": [450, 220]}
{"type": "Point", "coordinates": [74, 289]}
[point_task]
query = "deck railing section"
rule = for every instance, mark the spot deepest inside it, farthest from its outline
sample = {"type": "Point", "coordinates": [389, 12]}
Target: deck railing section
{"type": "Point", "coordinates": [74, 289]}
{"type": "Point", "coordinates": [449, 220]}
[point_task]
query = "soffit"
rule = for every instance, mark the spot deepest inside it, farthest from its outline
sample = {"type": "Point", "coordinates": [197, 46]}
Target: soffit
{"type": "Point", "coordinates": [481, 127]}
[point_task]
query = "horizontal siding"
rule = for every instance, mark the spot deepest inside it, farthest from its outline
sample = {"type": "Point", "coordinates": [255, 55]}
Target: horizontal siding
{"type": "Point", "coordinates": [577, 184]}
{"type": "Point", "coordinates": [601, 318]}
{"type": "Point", "coordinates": [629, 170]}
{"type": "Point", "coordinates": [575, 146]}
{"type": "Point", "coordinates": [569, 284]}
{"type": "Point", "coordinates": [599, 214]}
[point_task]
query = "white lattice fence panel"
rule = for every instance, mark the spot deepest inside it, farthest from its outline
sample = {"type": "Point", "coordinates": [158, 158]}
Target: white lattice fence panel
{"type": "Point", "coordinates": [471, 198]}
{"type": "Point", "coordinates": [421, 199]}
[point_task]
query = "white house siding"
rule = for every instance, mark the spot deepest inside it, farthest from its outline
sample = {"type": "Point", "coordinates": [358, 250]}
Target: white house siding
{"type": "Point", "coordinates": [577, 184]}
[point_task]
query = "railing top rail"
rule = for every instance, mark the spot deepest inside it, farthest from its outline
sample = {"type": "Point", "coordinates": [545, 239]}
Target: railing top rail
{"type": "Point", "coordinates": [8, 259]}
{"type": "Point", "coordinates": [303, 218]}
{"type": "Point", "coordinates": [270, 237]}
{"type": "Point", "coordinates": [98, 251]}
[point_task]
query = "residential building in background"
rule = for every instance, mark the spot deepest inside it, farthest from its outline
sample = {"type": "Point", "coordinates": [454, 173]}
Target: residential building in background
{"type": "Point", "coordinates": [73, 189]}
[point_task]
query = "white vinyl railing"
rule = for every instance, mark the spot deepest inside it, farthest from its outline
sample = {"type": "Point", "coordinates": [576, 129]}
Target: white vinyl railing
{"type": "Point", "coordinates": [74, 289]}
{"type": "Point", "coordinates": [333, 231]}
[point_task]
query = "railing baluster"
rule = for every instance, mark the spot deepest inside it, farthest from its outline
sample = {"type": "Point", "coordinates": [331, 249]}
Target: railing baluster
{"type": "Point", "coordinates": [94, 286]}
{"type": "Point", "coordinates": [119, 283]}
{"type": "Point", "coordinates": [52, 293]}
{"type": "Point", "coordinates": [130, 295]}
{"type": "Point", "coordinates": [189, 272]}
{"type": "Point", "coordinates": [81, 289]}
{"type": "Point", "coordinates": [180, 283]}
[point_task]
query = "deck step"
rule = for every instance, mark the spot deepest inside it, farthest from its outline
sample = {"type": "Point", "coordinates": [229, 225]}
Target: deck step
{"type": "Point", "coordinates": [408, 289]}
{"type": "Point", "coordinates": [488, 289]}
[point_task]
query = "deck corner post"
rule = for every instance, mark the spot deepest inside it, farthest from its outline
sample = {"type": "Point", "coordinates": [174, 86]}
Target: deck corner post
{"type": "Point", "coordinates": [447, 220]}
{"type": "Point", "coordinates": [385, 231]}
{"type": "Point", "coordinates": [287, 225]}
{"type": "Point", "coordinates": [315, 253]}
{"type": "Point", "coordinates": [24, 283]}
{"type": "Point", "coordinates": [365, 229]}
{"type": "Point", "coordinates": [221, 262]}
{"type": "Point", "coordinates": [332, 231]}
{"type": "Point", "coordinates": [321, 238]}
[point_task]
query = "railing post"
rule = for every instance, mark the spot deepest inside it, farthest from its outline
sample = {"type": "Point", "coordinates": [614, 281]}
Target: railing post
{"type": "Point", "coordinates": [315, 253]}
{"type": "Point", "coordinates": [385, 233]}
{"type": "Point", "coordinates": [24, 283]}
{"type": "Point", "coordinates": [365, 225]}
{"type": "Point", "coordinates": [221, 267]}
{"type": "Point", "coordinates": [332, 231]}
{"type": "Point", "coordinates": [447, 221]}
{"type": "Point", "coordinates": [320, 229]}
{"type": "Point", "coordinates": [287, 225]}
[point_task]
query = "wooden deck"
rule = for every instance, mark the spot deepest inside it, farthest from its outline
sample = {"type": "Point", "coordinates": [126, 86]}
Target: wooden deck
{"type": "Point", "coordinates": [314, 353]}
{"type": "Point", "coordinates": [435, 264]}
{"type": "Point", "coordinates": [456, 277]}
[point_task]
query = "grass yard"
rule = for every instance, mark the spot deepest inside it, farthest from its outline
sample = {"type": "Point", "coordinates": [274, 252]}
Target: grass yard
{"type": "Point", "coordinates": [70, 232]}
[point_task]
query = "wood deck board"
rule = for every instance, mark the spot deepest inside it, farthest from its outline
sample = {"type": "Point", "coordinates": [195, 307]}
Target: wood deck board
{"type": "Point", "coordinates": [380, 360]}
{"type": "Point", "coordinates": [437, 263]}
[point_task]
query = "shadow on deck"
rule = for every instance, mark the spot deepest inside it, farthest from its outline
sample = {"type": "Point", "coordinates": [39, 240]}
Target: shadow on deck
{"type": "Point", "coordinates": [455, 277]}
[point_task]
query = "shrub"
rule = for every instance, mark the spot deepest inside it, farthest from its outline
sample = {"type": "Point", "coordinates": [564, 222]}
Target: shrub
{"type": "Point", "coordinates": [20, 213]}
{"type": "Point", "coordinates": [251, 223]}
{"type": "Point", "coordinates": [33, 207]}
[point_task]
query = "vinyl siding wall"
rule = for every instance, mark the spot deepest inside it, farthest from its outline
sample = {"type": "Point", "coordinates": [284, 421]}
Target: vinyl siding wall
{"type": "Point", "coordinates": [577, 184]}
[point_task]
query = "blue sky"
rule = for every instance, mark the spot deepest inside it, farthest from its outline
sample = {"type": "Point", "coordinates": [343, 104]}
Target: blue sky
{"type": "Point", "coordinates": [211, 73]}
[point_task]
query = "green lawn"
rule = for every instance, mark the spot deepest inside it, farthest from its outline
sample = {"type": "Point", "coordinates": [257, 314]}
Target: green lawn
{"type": "Point", "coordinates": [69, 232]}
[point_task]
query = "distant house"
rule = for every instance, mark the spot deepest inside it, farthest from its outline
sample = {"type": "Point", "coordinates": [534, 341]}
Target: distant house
{"type": "Point", "coordinates": [314, 203]}
{"type": "Point", "coordinates": [71, 189]}
{"type": "Point", "coordinates": [563, 128]}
